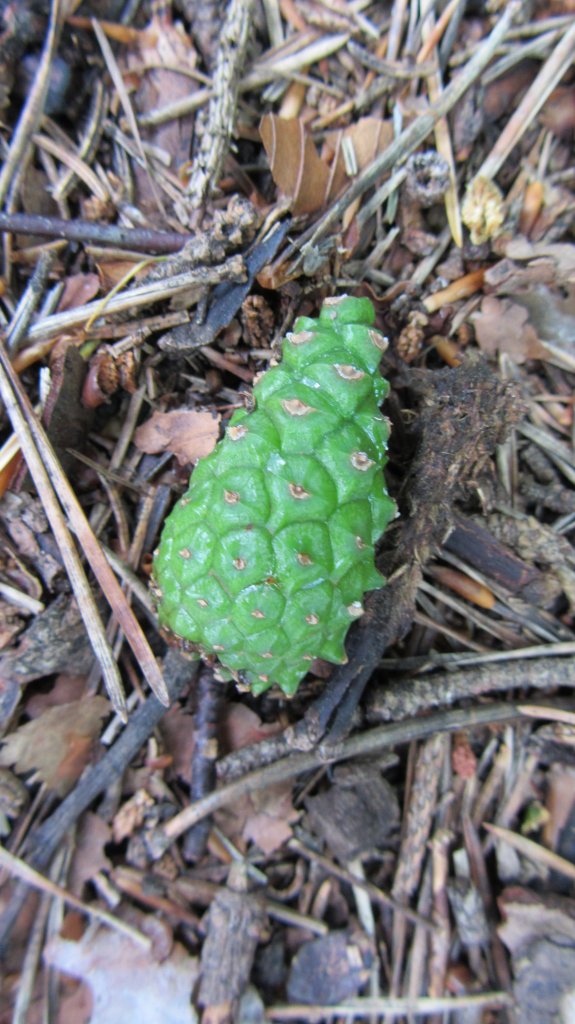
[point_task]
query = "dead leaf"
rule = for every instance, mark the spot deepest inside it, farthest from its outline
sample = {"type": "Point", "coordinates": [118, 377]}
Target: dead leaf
{"type": "Point", "coordinates": [89, 856]}
{"type": "Point", "coordinates": [367, 137]}
{"type": "Point", "coordinates": [127, 982]}
{"type": "Point", "coordinates": [262, 817]}
{"type": "Point", "coordinates": [309, 180]}
{"type": "Point", "coordinates": [58, 745]}
{"type": "Point", "coordinates": [113, 272]}
{"type": "Point", "coordinates": [242, 727]}
{"type": "Point", "coordinates": [273, 813]}
{"type": "Point", "coordinates": [78, 290]}
{"type": "Point", "coordinates": [558, 114]}
{"type": "Point", "coordinates": [190, 435]}
{"type": "Point", "coordinates": [66, 688]}
{"type": "Point", "coordinates": [503, 326]}
{"type": "Point", "coordinates": [177, 729]}
{"type": "Point", "coordinates": [505, 92]}
{"type": "Point", "coordinates": [463, 759]}
{"type": "Point", "coordinates": [296, 167]}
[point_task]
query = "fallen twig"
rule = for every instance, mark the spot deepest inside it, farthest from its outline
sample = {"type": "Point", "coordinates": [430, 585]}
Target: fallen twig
{"type": "Point", "coordinates": [363, 744]}
{"type": "Point", "coordinates": [146, 240]}
{"type": "Point", "coordinates": [44, 840]}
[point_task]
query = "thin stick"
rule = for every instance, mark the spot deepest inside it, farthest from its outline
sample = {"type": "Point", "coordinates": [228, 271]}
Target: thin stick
{"type": "Point", "coordinates": [443, 144]}
{"type": "Point", "coordinates": [350, 877]}
{"type": "Point", "coordinates": [232, 269]}
{"type": "Point", "coordinates": [376, 739]}
{"type": "Point", "coordinates": [555, 67]}
{"type": "Point", "coordinates": [31, 877]}
{"type": "Point", "coordinates": [534, 851]}
{"type": "Point", "coordinates": [24, 417]}
{"type": "Point", "coordinates": [32, 112]}
{"type": "Point", "coordinates": [76, 574]}
{"type": "Point", "coordinates": [415, 133]}
{"type": "Point", "coordinates": [435, 34]}
{"type": "Point", "coordinates": [144, 239]}
{"type": "Point", "coordinates": [390, 1006]}
{"type": "Point", "coordinates": [550, 714]}
{"type": "Point", "coordinates": [116, 76]}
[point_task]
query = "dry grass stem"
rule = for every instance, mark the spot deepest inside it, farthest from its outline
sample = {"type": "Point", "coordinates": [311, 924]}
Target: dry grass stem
{"type": "Point", "coordinates": [548, 78]}
{"type": "Point", "coordinates": [534, 851]}
{"type": "Point", "coordinates": [43, 463]}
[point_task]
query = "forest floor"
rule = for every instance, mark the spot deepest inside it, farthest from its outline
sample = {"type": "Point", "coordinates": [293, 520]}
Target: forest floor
{"type": "Point", "coordinates": [179, 183]}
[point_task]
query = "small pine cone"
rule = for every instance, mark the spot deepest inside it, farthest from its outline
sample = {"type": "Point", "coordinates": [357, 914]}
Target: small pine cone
{"type": "Point", "coordinates": [265, 560]}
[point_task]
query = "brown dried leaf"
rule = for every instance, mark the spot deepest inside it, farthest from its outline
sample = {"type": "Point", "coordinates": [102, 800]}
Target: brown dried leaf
{"type": "Point", "coordinates": [188, 434]}
{"type": "Point", "coordinates": [558, 114]}
{"type": "Point", "coordinates": [113, 272]}
{"type": "Point", "coordinates": [269, 824]}
{"type": "Point", "coordinates": [296, 167]}
{"type": "Point", "coordinates": [263, 816]}
{"type": "Point", "coordinates": [66, 688]}
{"type": "Point", "coordinates": [506, 91]}
{"type": "Point", "coordinates": [58, 746]}
{"type": "Point", "coordinates": [78, 290]}
{"type": "Point", "coordinates": [463, 759]}
{"type": "Point", "coordinates": [503, 326]}
{"type": "Point", "coordinates": [177, 729]}
{"type": "Point", "coordinates": [369, 137]}
{"type": "Point", "coordinates": [305, 178]}
{"type": "Point", "coordinates": [89, 857]}
{"type": "Point", "coordinates": [242, 727]}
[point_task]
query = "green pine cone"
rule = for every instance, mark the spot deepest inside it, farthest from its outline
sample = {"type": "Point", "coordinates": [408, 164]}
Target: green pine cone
{"type": "Point", "coordinates": [266, 558]}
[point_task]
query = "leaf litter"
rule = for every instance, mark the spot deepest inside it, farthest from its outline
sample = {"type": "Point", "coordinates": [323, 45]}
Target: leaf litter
{"type": "Point", "coordinates": [432, 870]}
